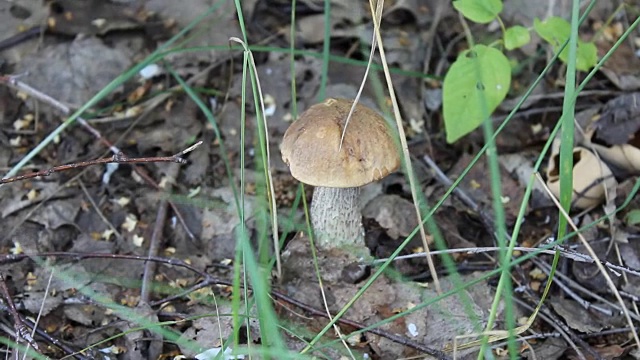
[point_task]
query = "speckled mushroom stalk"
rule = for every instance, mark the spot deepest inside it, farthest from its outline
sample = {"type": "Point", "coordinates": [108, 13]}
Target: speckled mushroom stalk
{"type": "Point", "coordinates": [311, 148]}
{"type": "Point", "coordinates": [336, 218]}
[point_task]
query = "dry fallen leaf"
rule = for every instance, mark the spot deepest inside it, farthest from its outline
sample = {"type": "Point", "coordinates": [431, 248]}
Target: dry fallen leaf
{"type": "Point", "coordinates": [71, 70]}
{"type": "Point", "coordinates": [130, 222]}
{"type": "Point", "coordinates": [137, 240]}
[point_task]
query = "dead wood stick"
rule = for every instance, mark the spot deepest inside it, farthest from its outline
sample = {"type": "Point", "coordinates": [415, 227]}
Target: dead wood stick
{"type": "Point", "coordinates": [22, 333]}
{"type": "Point", "coordinates": [156, 237]}
{"type": "Point", "coordinates": [115, 159]}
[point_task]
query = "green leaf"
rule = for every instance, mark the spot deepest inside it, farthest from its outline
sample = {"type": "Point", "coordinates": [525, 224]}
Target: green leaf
{"type": "Point", "coordinates": [633, 217]}
{"type": "Point", "coordinates": [474, 86]}
{"type": "Point", "coordinates": [515, 37]}
{"type": "Point", "coordinates": [480, 11]}
{"type": "Point", "coordinates": [556, 31]}
{"type": "Point", "coordinates": [587, 56]}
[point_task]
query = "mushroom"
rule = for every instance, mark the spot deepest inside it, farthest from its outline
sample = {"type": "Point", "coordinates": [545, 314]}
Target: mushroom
{"type": "Point", "coordinates": [311, 149]}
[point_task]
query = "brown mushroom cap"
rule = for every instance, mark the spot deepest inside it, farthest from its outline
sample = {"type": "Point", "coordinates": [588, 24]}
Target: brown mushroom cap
{"type": "Point", "coordinates": [310, 146]}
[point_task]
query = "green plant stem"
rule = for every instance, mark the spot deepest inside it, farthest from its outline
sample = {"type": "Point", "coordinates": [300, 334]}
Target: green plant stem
{"type": "Point", "coordinates": [505, 277]}
{"type": "Point", "coordinates": [567, 120]}
{"type": "Point", "coordinates": [502, 27]}
{"type": "Point", "coordinates": [498, 208]}
{"type": "Point", "coordinates": [268, 322]}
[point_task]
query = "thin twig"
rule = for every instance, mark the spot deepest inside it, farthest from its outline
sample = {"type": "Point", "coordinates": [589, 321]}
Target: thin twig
{"type": "Point", "coordinates": [97, 209]}
{"type": "Point", "coordinates": [40, 311]}
{"type": "Point", "coordinates": [431, 33]}
{"type": "Point", "coordinates": [585, 304]}
{"type": "Point", "coordinates": [176, 211]}
{"type": "Point", "coordinates": [575, 285]}
{"type": "Point", "coordinates": [156, 238]}
{"type": "Point", "coordinates": [486, 220]}
{"type": "Point", "coordinates": [119, 158]}
{"type": "Point", "coordinates": [444, 180]}
{"type": "Point", "coordinates": [22, 333]}
{"type": "Point", "coordinates": [49, 338]}
{"type": "Point", "coordinates": [565, 252]}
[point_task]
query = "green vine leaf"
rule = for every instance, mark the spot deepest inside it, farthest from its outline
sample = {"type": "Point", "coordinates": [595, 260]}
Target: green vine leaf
{"type": "Point", "coordinates": [556, 30]}
{"type": "Point", "coordinates": [474, 86]}
{"type": "Point", "coordinates": [479, 11]}
{"type": "Point", "coordinates": [515, 37]}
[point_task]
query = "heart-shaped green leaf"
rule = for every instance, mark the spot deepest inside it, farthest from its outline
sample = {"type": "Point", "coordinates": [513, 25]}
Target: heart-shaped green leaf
{"type": "Point", "coordinates": [474, 86]}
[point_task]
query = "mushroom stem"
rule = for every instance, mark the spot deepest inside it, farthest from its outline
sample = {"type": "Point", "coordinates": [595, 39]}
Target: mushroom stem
{"type": "Point", "coordinates": [336, 218]}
